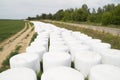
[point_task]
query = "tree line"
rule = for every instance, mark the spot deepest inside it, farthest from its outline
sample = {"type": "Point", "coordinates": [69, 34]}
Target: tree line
{"type": "Point", "coordinates": [108, 14]}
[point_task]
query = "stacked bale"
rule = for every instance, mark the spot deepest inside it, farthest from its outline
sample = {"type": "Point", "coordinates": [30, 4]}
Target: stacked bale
{"type": "Point", "coordinates": [97, 47]}
{"type": "Point", "coordinates": [62, 73]}
{"type": "Point", "coordinates": [85, 60]}
{"type": "Point", "coordinates": [35, 50]}
{"type": "Point", "coordinates": [25, 60]}
{"type": "Point", "coordinates": [18, 74]}
{"type": "Point", "coordinates": [58, 43]}
{"type": "Point", "coordinates": [55, 59]}
{"type": "Point", "coordinates": [111, 56]}
{"type": "Point", "coordinates": [104, 72]}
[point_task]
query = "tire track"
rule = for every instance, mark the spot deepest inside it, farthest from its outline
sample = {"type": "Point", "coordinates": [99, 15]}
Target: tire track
{"type": "Point", "coordinates": [21, 40]}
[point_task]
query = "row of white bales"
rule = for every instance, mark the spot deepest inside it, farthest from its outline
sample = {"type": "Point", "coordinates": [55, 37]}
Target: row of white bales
{"type": "Point", "coordinates": [57, 48]}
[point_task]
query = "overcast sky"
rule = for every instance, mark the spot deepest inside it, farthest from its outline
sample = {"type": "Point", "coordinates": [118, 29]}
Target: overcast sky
{"type": "Point", "coordinates": [21, 9]}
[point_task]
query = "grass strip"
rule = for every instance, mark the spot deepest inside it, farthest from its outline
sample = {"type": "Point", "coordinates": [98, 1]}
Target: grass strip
{"type": "Point", "coordinates": [105, 37]}
{"type": "Point", "coordinates": [33, 38]}
{"type": "Point", "coordinates": [5, 63]}
{"type": "Point", "coordinates": [9, 28]}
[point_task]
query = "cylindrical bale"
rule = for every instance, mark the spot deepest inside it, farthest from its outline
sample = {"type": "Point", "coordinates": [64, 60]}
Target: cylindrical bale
{"type": "Point", "coordinates": [57, 43]}
{"type": "Point", "coordinates": [76, 33]}
{"type": "Point", "coordinates": [69, 38]}
{"type": "Point", "coordinates": [40, 39]}
{"type": "Point", "coordinates": [25, 60]}
{"type": "Point", "coordinates": [39, 44]}
{"type": "Point", "coordinates": [85, 60]}
{"type": "Point", "coordinates": [59, 48]}
{"type": "Point", "coordinates": [100, 46]}
{"type": "Point", "coordinates": [56, 39]}
{"type": "Point", "coordinates": [77, 48]}
{"type": "Point", "coordinates": [92, 41]}
{"type": "Point", "coordinates": [18, 74]}
{"type": "Point", "coordinates": [36, 50]}
{"type": "Point", "coordinates": [74, 42]}
{"type": "Point", "coordinates": [84, 37]}
{"type": "Point", "coordinates": [62, 73]}
{"type": "Point", "coordinates": [54, 59]}
{"type": "Point", "coordinates": [111, 56]}
{"type": "Point", "coordinates": [104, 72]}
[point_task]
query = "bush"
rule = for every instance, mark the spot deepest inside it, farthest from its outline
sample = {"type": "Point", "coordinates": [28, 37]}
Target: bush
{"type": "Point", "coordinates": [106, 18]}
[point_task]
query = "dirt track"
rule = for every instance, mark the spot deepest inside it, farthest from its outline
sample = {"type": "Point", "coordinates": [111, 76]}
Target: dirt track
{"type": "Point", "coordinates": [21, 38]}
{"type": "Point", "coordinates": [114, 31]}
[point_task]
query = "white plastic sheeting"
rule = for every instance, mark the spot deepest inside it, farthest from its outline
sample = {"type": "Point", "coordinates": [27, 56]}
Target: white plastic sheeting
{"type": "Point", "coordinates": [100, 46]}
{"type": "Point", "coordinates": [36, 50]}
{"type": "Point", "coordinates": [92, 41]}
{"type": "Point", "coordinates": [104, 72]}
{"type": "Point", "coordinates": [62, 73]}
{"type": "Point", "coordinates": [39, 44]}
{"type": "Point", "coordinates": [58, 48]}
{"type": "Point", "coordinates": [111, 56]}
{"type": "Point", "coordinates": [85, 60]}
{"type": "Point", "coordinates": [54, 59]}
{"type": "Point", "coordinates": [77, 48]}
{"type": "Point", "coordinates": [25, 60]}
{"type": "Point", "coordinates": [18, 74]}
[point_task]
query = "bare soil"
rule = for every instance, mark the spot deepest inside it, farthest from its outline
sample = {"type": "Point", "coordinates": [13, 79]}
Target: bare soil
{"type": "Point", "coordinates": [22, 38]}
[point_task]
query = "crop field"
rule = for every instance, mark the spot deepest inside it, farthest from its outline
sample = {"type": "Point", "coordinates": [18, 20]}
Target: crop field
{"type": "Point", "coordinates": [9, 28]}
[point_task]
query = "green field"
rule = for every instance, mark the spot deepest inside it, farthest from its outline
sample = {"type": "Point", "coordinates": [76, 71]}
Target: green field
{"type": "Point", "coordinates": [105, 37]}
{"type": "Point", "coordinates": [9, 28]}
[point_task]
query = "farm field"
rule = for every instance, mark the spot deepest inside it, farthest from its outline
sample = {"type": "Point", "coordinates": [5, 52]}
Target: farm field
{"type": "Point", "coordinates": [48, 41]}
{"type": "Point", "coordinates": [9, 28]}
{"type": "Point", "coordinates": [15, 44]}
{"type": "Point", "coordinates": [60, 40]}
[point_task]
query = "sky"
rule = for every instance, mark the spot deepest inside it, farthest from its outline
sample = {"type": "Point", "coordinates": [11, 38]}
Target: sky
{"type": "Point", "coordinates": [21, 9]}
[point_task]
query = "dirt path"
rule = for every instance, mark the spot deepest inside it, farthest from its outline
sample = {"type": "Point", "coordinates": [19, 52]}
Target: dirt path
{"type": "Point", "coordinates": [113, 31]}
{"type": "Point", "coordinates": [7, 41]}
{"type": "Point", "coordinates": [23, 40]}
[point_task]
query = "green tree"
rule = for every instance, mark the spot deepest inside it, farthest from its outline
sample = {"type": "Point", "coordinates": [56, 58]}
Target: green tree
{"type": "Point", "coordinates": [109, 7]}
{"type": "Point", "coordinates": [43, 16]}
{"type": "Point", "coordinates": [116, 15]}
{"type": "Point", "coordinates": [68, 15]}
{"type": "Point", "coordinates": [99, 10]}
{"type": "Point", "coordinates": [106, 18]}
{"type": "Point", "coordinates": [59, 15]}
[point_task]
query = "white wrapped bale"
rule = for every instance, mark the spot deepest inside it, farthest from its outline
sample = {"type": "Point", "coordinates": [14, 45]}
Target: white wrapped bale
{"type": "Point", "coordinates": [18, 74]}
{"type": "Point", "coordinates": [57, 42]}
{"type": "Point", "coordinates": [62, 73]}
{"type": "Point", "coordinates": [77, 48]}
{"type": "Point", "coordinates": [39, 44]}
{"type": "Point", "coordinates": [25, 60]}
{"type": "Point", "coordinates": [84, 37]}
{"type": "Point", "coordinates": [85, 60]}
{"type": "Point", "coordinates": [58, 48]}
{"type": "Point", "coordinates": [92, 41]}
{"type": "Point", "coordinates": [36, 50]}
{"type": "Point", "coordinates": [100, 46]}
{"type": "Point", "coordinates": [54, 59]}
{"type": "Point", "coordinates": [111, 56]}
{"type": "Point", "coordinates": [74, 42]}
{"type": "Point", "coordinates": [104, 72]}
